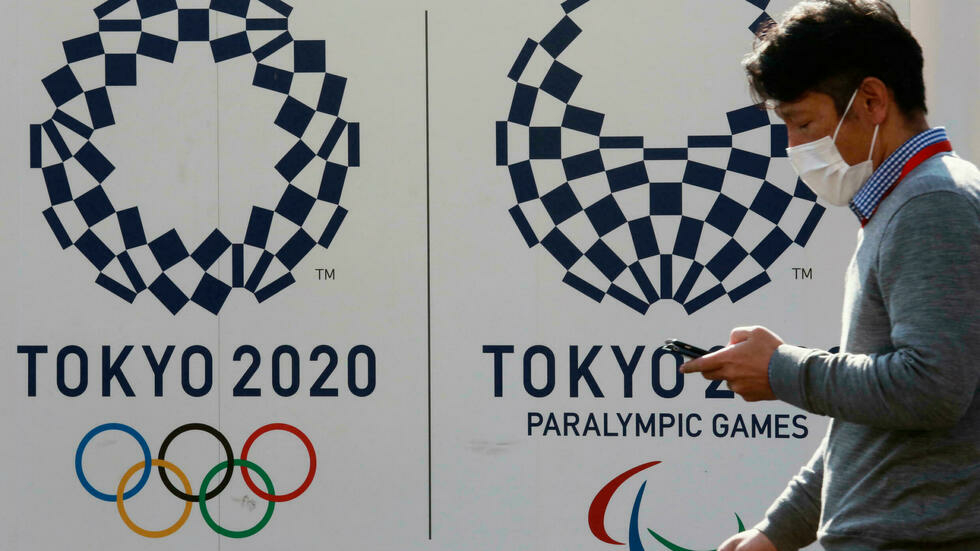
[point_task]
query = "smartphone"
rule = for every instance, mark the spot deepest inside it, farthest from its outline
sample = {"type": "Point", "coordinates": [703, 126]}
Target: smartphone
{"type": "Point", "coordinates": [682, 347]}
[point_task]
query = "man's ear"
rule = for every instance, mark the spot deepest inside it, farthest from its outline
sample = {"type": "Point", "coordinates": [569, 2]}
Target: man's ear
{"type": "Point", "coordinates": [875, 100]}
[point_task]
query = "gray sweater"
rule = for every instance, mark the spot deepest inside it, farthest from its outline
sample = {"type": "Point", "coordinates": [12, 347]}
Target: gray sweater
{"type": "Point", "coordinates": [899, 467]}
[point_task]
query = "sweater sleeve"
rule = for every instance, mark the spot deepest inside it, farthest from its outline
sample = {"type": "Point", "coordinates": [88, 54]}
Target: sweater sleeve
{"type": "Point", "coordinates": [928, 265]}
{"type": "Point", "coordinates": [791, 521]}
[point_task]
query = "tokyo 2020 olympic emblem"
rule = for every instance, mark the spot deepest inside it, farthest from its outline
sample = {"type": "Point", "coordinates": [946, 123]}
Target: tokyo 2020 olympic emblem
{"type": "Point", "coordinates": [278, 59]}
{"type": "Point", "coordinates": [226, 467]}
{"type": "Point", "coordinates": [576, 197]}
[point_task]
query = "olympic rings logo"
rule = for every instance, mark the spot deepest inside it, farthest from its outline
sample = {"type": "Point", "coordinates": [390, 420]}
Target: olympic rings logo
{"type": "Point", "coordinates": [203, 495]}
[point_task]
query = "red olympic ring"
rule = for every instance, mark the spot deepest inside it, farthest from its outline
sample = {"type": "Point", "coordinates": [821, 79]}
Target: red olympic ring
{"type": "Point", "coordinates": [309, 449]}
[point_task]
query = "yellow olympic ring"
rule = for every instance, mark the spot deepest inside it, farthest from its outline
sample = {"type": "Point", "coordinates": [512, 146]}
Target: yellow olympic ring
{"type": "Point", "coordinates": [122, 508]}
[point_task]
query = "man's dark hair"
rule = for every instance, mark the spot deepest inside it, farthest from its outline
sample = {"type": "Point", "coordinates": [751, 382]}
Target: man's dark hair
{"type": "Point", "coordinates": [830, 46]}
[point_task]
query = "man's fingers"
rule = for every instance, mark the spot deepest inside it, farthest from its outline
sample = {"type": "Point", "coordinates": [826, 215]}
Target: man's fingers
{"type": "Point", "coordinates": [730, 544]}
{"type": "Point", "coordinates": [715, 375]}
{"type": "Point", "coordinates": [740, 334]}
{"type": "Point", "coordinates": [708, 362]}
{"type": "Point", "coordinates": [694, 366]}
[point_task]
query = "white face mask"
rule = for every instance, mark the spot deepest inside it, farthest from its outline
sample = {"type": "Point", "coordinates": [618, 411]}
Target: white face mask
{"type": "Point", "coordinates": [821, 166]}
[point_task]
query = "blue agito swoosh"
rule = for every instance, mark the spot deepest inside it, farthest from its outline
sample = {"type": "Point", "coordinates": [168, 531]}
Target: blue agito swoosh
{"type": "Point", "coordinates": [637, 545]}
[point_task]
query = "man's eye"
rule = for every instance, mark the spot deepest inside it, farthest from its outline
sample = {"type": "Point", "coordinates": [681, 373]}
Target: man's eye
{"type": "Point", "coordinates": [804, 126]}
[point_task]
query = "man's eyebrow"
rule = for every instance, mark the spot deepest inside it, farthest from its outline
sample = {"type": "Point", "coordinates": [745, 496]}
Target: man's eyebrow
{"type": "Point", "coordinates": [786, 112]}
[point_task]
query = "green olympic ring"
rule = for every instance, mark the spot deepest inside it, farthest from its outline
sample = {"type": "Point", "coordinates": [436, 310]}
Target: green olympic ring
{"type": "Point", "coordinates": [204, 506]}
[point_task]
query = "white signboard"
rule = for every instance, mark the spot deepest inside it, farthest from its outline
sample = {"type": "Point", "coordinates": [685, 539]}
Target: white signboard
{"type": "Point", "coordinates": [395, 275]}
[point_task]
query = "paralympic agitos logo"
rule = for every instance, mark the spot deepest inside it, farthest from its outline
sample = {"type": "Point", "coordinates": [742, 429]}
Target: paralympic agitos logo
{"type": "Point", "coordinates": [597, 513]}
{"type": "Point", "coordinates": [203, 496]}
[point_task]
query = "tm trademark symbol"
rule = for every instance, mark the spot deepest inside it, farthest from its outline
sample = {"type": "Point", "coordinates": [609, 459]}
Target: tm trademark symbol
{"type": "Point", "coordinates": [802, 273]}
{"type": "Point", "coordinates": [323, 274]}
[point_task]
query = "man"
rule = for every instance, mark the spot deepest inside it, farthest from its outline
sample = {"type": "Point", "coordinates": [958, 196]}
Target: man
{"type": "Point", "coordinates": [899, 467]}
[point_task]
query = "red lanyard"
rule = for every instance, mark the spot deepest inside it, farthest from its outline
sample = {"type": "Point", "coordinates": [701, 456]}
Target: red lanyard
{"type": "Point", "coordinates": [916, 160]}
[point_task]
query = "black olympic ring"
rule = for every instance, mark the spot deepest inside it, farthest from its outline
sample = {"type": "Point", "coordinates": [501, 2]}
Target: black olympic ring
{"type": "Point", "coordinates": [224, 444]}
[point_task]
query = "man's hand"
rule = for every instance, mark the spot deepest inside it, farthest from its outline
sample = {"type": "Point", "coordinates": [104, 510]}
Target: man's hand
{"type": "Point", "coordinates": [751, 540]}
{"type": "Point", "coordinates": [743, 364]}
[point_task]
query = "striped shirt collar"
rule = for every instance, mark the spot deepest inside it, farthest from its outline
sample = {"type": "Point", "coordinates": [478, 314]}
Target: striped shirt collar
{"type": "Point", "coordinates": [884, 178]}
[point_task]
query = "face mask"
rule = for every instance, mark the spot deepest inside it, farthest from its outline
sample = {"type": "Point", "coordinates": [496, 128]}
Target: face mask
{"type": "Point", "coordinates": [821, 166]}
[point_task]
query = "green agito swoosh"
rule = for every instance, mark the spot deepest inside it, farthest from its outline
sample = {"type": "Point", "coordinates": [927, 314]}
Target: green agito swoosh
{"type": "Point", "coordinates": [675, 547]}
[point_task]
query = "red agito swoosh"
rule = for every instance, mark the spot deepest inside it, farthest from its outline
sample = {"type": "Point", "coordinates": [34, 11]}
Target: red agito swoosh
{"type": "Point", "coordinates": [597, 510]}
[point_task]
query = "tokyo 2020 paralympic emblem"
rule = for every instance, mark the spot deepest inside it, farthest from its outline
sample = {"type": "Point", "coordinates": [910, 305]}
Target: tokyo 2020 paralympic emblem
{"type": "Point", "coordinates": [110, 233]}
{"type": "Point", "coordinates": [597, 514]}
{"type": "Point", "coordinates": [227, 467]}
{"type": "Point", "coordinates": [577, 198]}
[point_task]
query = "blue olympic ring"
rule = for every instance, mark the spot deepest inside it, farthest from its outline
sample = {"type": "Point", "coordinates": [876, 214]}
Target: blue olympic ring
{"type": "Point", "coordinates": [99, 430]}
